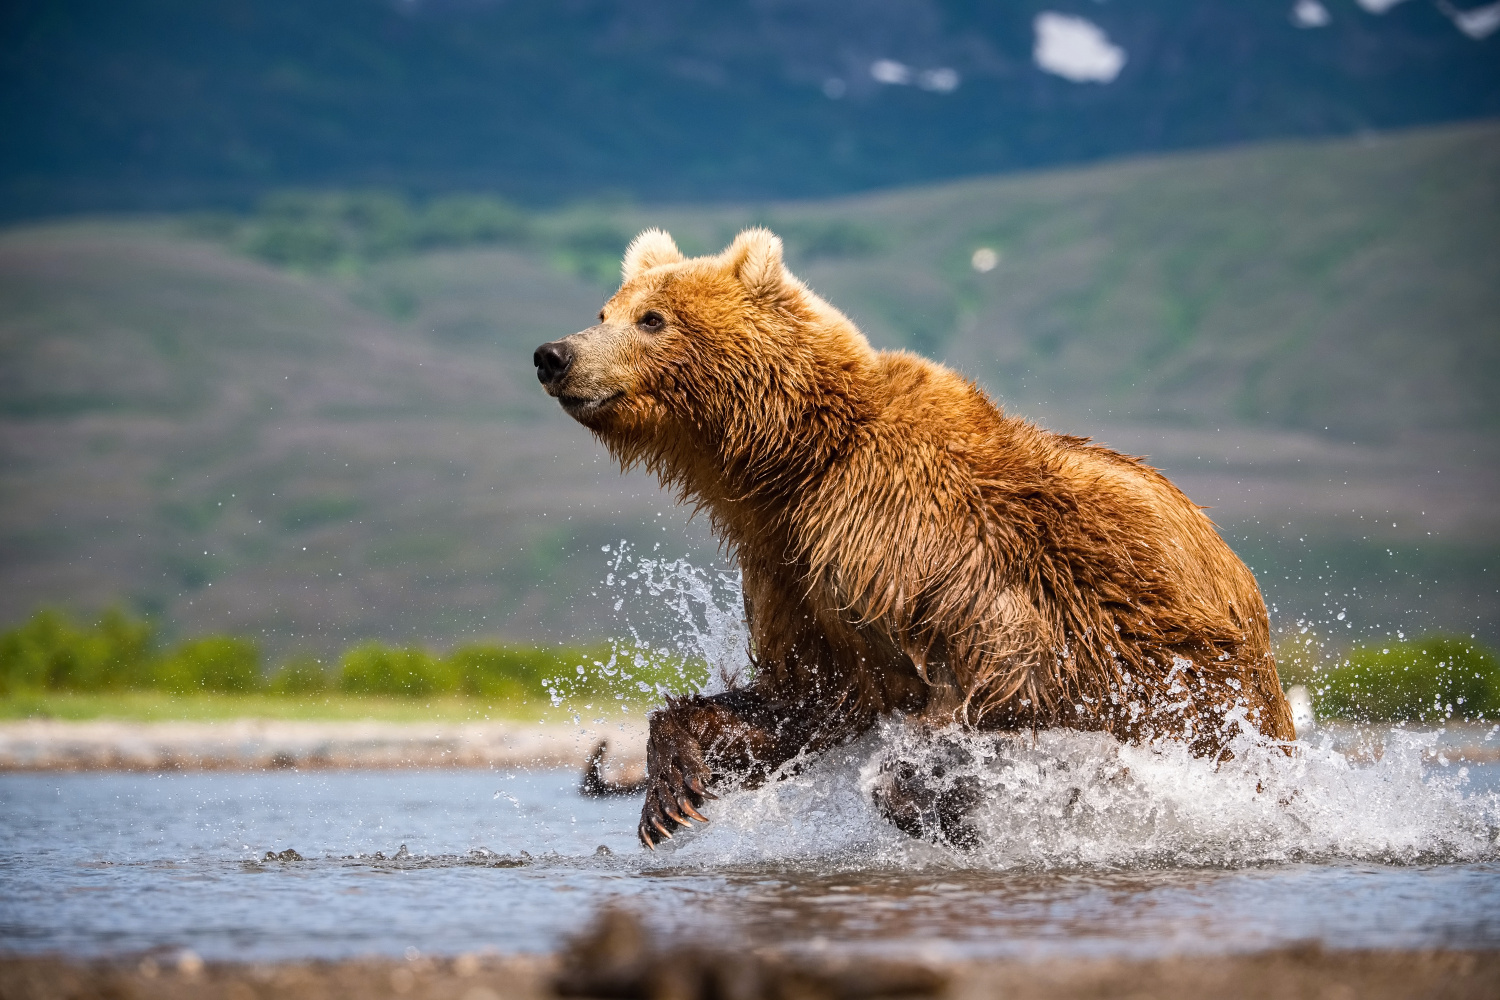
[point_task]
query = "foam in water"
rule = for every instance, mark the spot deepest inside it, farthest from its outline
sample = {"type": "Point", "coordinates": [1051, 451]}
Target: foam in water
{"type": "Point", "coordinates": [1065, 799]}
{"type": "Point", "coordinates": [1061, 798]}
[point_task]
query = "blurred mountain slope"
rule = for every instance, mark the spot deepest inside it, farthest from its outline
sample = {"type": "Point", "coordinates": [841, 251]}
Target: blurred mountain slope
{"type": "Point", "coordinates": [364, 451]}
{"type": "Point", "coordinates": [1341, 286]}
{"type": "Point", "coordinates": [160, 103]}
{"type": "Point", "coordinates": [230, 446]}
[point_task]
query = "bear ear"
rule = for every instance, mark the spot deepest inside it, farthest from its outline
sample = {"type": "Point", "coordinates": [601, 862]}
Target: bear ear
{"type": "Point", "coordinates": [755, 258]}
{"type": "Point", "coordinates": [650, 249]}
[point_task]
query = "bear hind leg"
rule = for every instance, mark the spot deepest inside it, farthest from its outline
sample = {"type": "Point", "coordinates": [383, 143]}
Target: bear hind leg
{"type": "Point", "coordinates": [931, 797]}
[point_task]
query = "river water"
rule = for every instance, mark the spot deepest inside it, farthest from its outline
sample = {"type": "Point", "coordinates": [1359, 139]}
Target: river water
{"type": "Point", "coordinates": [1088, 848]}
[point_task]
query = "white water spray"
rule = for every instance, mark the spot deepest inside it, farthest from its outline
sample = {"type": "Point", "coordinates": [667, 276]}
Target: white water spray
{"type": "Point", "coordinates": [705, 649]}
{"type": "Point", "coordinates": [1067, 799]}
{"type": "Point", "coordinates": [1059, 798]}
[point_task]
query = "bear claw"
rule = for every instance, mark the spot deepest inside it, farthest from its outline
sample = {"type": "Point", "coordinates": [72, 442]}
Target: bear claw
{"type": "Point", "coordinates": [676, 781]}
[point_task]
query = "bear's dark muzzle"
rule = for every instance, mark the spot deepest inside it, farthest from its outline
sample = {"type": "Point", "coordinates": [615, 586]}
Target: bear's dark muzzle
{"type": "Point", "coordinates": [552, 361]}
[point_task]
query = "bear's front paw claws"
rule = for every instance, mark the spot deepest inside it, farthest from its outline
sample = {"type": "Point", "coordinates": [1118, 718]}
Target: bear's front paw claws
{"type": "Point", "coordinates": [660, 816]}
{"type": "Point", "coordinates": [676, 784]}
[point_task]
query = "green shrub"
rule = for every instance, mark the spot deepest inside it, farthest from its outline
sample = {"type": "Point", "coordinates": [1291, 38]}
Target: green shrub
{"type": "Point", "coordinates": [299, 675]}
{"type": "Point", "coordinates": [50, 652]}
{"type": "Point", "coordinates": [502, 672]}
{"type": "Point", "coordinates": [315, 229]}
{"type": "Point", "coordinates": [624, 672]}
{"type": "Point", "coordinates": [375, 668]}
{"type": "Point", "coordinates": [221, 663]}
{"type": "Point", "coordinates": [1430, 679]}
{"type": "Point", "coordinates": [592, 250]}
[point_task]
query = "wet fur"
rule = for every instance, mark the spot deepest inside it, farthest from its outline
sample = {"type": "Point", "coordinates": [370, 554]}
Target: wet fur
{"type": "Point", "coordinates": [905, 544]}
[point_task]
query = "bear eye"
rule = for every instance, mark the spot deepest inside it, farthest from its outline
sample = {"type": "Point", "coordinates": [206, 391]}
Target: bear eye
{"type": "Point", "coordinates": [651, 322]}
{"type": "Point", "coordinates": [601, 315]}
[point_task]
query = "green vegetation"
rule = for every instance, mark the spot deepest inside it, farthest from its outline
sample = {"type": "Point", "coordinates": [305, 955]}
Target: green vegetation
{"type": "Point", "coordinates": [819, 239]}
{"type": "Point", "coordinates": [1429, 679]}
{"type": "Point", "coordinates": [324, 230]}
{"type": "Point", "coordinates": [222, 663]}
{"type": "Point", "coordinates": [501, 671]}
{"type": "Point", "coordinates": [375, 668]}
{"type": "Point", "coordinates": [301, 675]}
{"type": "Point", "coordinates": [52, 666]}
{"type": "Point", "coordinates": [345, 231]}
{"type": "Point", "coordinates": [160, 706]}
{"type": "Point", "coordinates": [51, 655]}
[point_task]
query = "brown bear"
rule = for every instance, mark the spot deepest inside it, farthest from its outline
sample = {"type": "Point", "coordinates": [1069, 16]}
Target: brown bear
{"type": "Point", "coordinates": [905, 545]}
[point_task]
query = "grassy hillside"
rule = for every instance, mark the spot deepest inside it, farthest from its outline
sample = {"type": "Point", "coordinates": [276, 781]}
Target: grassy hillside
{"type": "Point", "coordinates": [1346, 285]}
{"type": "Point", "coordinates": [1306, 337]}
{"type": "Point", "coordinates": [232, 447]}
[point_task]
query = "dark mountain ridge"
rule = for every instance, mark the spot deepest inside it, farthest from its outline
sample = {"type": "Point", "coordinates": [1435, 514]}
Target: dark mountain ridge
{"type": "Point", "coordinates": [169, 103]}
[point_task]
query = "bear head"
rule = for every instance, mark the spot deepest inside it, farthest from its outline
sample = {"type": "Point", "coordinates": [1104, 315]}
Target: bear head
{"type": "Point", "coordinates": [720, 373]}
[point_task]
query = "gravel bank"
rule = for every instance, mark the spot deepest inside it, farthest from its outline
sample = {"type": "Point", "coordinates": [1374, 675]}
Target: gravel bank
{"type": "Point", "coordinates": [257, 744]}
{"type": "Point", "coordinates": [254, 744]}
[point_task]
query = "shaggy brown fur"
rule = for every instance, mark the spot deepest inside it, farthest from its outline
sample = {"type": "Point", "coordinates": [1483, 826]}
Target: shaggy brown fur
{"type": "Point", "coordinates": [905, 545]}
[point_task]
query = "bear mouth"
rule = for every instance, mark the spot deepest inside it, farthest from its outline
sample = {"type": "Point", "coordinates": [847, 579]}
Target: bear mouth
{"type": "Point", "coordinates": [582, 406]}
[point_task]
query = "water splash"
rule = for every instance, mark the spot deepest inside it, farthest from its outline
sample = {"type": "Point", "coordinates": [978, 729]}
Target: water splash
{"type": "Point", "coordinates": [1064, 799]}
{"type": "Point", "coordinates": [1056, 799]}
{"type": "Point", "coordinates": [706, 608]}
{"type": "Point", "coordinates": [706, 645]}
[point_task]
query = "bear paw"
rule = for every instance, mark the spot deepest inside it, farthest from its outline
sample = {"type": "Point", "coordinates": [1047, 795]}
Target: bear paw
{"type": "Point", "coordinates": [676, 782]}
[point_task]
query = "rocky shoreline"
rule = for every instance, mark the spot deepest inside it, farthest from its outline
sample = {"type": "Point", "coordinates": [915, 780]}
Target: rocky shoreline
{"type": "Point", "coordinates": [262, 744]}
{"type": "Point", "coordinates": [268, 744]}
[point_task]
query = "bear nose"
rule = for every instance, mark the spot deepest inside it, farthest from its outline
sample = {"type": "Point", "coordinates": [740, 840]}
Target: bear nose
{"type": "Point", "coordinates": [552, 361]}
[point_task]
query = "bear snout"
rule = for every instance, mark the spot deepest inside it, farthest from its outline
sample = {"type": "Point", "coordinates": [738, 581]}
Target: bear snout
{"type": "Point", "coordinates": [552, 361]}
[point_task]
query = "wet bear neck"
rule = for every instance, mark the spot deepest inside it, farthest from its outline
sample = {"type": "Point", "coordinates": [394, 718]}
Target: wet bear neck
{"type": "Point", "coordinates": [773, 442]}
{"type": "Point", "coordinates": [745, 440]}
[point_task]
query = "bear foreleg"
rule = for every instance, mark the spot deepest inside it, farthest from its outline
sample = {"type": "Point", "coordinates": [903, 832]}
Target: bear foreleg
{"type": "Point", "coordinates": [700, 742]}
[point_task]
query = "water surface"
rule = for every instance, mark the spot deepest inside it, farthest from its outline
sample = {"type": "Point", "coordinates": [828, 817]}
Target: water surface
{"type": "Point", "coordinates": [1089, 848]}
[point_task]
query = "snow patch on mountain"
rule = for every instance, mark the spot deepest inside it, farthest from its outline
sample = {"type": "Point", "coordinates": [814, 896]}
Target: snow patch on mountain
{"type": "Point", "coordinates": [1310, 14]}
{"type": "Point", "coordinates": [1477, 22]}
{"type": "Point", "coordinates": [1076, 49]}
